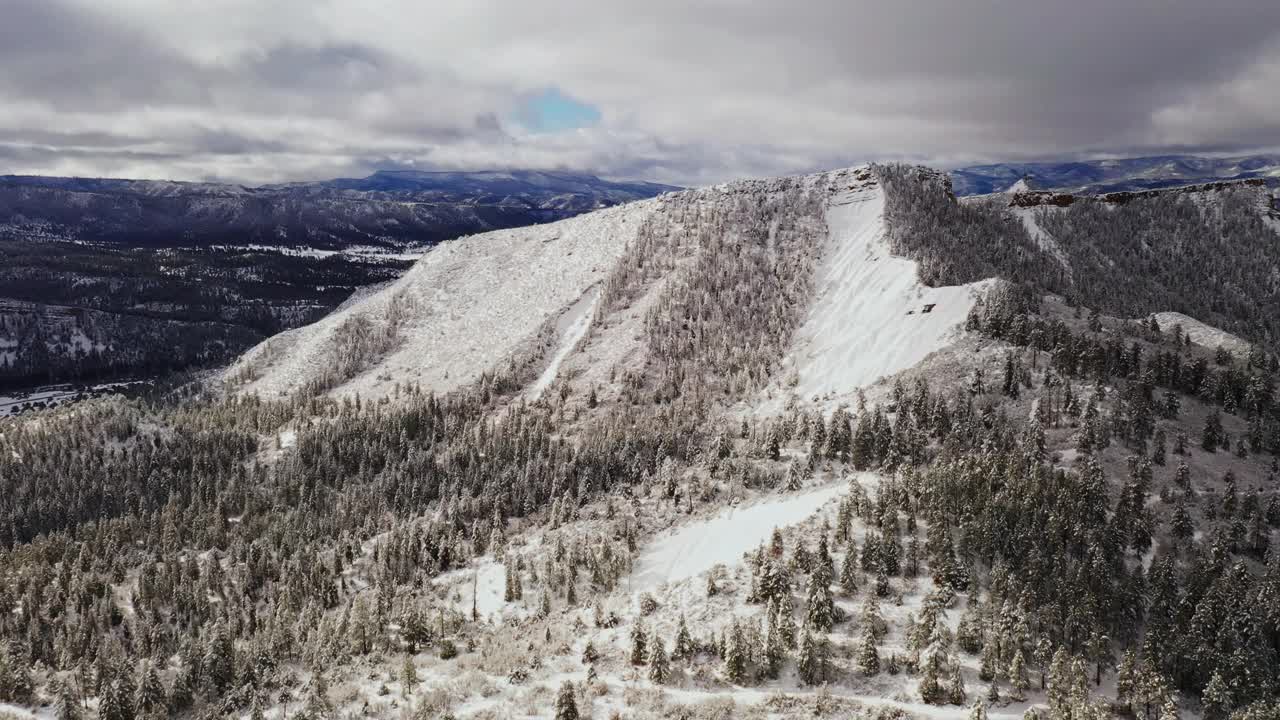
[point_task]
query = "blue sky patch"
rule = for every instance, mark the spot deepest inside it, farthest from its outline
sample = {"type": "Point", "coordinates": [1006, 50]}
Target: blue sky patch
{"type": "Point", "coordinates": [553, 111]}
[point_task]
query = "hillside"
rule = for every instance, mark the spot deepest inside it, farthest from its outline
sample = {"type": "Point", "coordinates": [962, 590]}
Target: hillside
{"type": "Point", "coordinates": [153, 276]}
{"type": "Point", "coordinates": [836, 445]}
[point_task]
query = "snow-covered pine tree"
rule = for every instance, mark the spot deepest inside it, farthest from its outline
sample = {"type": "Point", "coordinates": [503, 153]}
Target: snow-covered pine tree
{"type": "Point", "coordinates": [868, 654]}
{"type": "Point", "coordinates": [566, 704]}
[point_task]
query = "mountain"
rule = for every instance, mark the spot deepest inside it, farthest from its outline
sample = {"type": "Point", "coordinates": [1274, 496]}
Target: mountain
{"type": "Point", "coordinates": [839, 445]}
{"type": "Point", "coordinates": [1102, 176]}
{"type": "Point", "coordinates": [106, 279]}
{"type": "Point", "coordinates": [386, 209]}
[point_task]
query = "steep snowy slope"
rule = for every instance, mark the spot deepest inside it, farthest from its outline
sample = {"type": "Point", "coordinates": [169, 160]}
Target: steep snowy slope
{"type": "Point", "coordinates": [533, 297]}
{"type": "Point", "coordinates": [462, 310]}
{"type": "Point", "coordinates": [871, 316]}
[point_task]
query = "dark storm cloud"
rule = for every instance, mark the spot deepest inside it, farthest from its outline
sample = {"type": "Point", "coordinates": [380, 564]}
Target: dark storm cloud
{"type": "Point", "coordinates": [687, 92]}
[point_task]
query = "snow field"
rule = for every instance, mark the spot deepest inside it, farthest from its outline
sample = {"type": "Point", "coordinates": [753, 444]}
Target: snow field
{"type": "Point", "coordinates": [870, 317]}
{"type": "Point", "coordinates": [695, 548]}
{"type": "Point", "coordinates": [463, 309]}
{"type": "Point", "coordinates": [571, 327]}
{"type": "Point", "coordinates": [1202, 334]}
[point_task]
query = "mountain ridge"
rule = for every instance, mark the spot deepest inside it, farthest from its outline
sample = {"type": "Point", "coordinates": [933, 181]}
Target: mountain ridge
{"type": "Point", "coordinates": [1115, 175]}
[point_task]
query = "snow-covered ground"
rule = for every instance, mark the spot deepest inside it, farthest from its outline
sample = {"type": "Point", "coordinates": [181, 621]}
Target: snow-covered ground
{"type": "Point", "coordinates": [486, 582]}
{"type": "Point", "coordinates": [1045, 241]}
{"type": "Point", "coordinates": [871, 317]}
{"type": "Point", "coordinates": [464, 308]}
{"type": "Point", "coordinates": [571, 327]}
{"type": "Point", "coordinates": [695, 548]}
{"type": "Point", "coordinates": [1202, 334]}
{"type": "Point", "coordinates": [53, 395]}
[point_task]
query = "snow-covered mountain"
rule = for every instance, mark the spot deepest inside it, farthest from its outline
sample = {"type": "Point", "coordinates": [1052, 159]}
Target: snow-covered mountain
{"type": "Point", "coordinates": [1123, 174]}
{"type": "Point", "coordinates": [533, 296]}
{"type": "Point", "coordinates": [534, 302]}
{"type": "Point", "coordinates": [839, 445]}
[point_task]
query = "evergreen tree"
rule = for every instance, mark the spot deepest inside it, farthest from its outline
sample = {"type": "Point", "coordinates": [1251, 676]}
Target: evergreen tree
{"type": "Point", "coordinates": [868, 655]}
{"type": "Point", "coordinates": [821, 610]}
{"type": "Point", "coordinates": [735, 655]}
{"type": "Point", "coordinates": [566, 704]}
{"type": "Point", "coordinates": [116, 703]}
{"type": "Point", "coordinates": [638, 644]}
{"type": "Point", "coordinates": [659, 668]}
{"type": "Point", "coordinates": [1018, 676]}
{"type": "Point", "coordinates": [408, 675]}
{"type": "Point", "coordinates": [812, 662]}
{"type": "Point", "coordinates": [684, 648]}
{"type": "Point", "coordinates": [65, 706]}
{"type": "Point", "coordinates": [150, 699]}
{"type": "Point", "coordinates": [1216, 700]}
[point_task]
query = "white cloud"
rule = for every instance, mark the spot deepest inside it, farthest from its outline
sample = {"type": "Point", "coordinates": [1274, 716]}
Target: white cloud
{"type": "Point", "coordinates": [688, 92]}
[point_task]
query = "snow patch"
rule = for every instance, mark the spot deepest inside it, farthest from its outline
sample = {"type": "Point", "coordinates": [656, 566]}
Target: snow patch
{"type": "Point", "coordinates": [1202, 334]}
{"type": "Point", "coordinates": [486, 582]}
{"type": "Point", "coordinates": [871, 317]}
{"type": "Point", "coordinates": [1042, 239]}
{"type": "Point", "coordinates": [1021, 186]}
{"type": "Point", "coordinates": [693, 549]}
{"type": "Point", "coordinates": [571, 327]}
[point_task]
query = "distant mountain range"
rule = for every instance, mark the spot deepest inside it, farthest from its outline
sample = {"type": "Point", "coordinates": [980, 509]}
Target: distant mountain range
{"type": "Point", "coordinates": [1103, 176]}
{"type": "Point", "coordinates": [388, 208]}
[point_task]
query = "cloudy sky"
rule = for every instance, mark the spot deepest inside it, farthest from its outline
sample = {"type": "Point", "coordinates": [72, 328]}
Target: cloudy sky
{"type": "Point", "coordinates": [683, 91]}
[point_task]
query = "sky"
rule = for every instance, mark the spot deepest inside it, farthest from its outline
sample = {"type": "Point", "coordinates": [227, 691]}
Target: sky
{"type": "Point", "coordinates": [682, 91]}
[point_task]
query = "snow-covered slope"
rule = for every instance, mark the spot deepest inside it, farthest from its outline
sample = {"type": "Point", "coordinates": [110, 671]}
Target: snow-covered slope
{"type": "Point", "coordinates": [696, 547]}
{"type": "Point", "coordinates": [871, 317]}
{"type": "Point", "coordinates": [463, 309]}
{"type": "Point", "coordinates": [1201, 333]}
{"type": "Point", "coordinates": [531, 296]}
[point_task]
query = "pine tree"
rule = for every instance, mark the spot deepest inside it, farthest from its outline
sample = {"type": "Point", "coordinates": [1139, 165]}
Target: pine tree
{"type": "Point", "coordinates": [116, 703]}
{"type": "Point", "coordinates": [868, 655]}
{"type": "Point", "coordinates": [822, 610]}
{"type": "Point", "coordinates": [684, 648]}
{"type": "Point", "coordinates": [811, 662]}
{"type": "Point", "coordinates": [659, 669]}
{"type": "Point", "coordinates": [318, 705]}
{"type": "Point", "coordinates": [957, 688]}
{"type": "Point", "coordinates": [849, 571]}
{"type": "Point", "coordinates": [217, 662]}
{"type": "Point", "coordinates": [735, 655]}
{"type": "Point", "coordinates": [566, 704]}
{"type": "Point", "coordinates": [1060, 682]}
{"type": "Point", "coordinates": [1126, 678]}
{"type": "Point", "coordinates": [638, 641]}
{"type": "Point", "coordinates": [544, 605]}
{"type": "Point", "coordinates": [931, 690]}
{"type": "Point", "coordinates": [775, 649]}
{"type": "Point", "coordinates": [65, 706]}
{"type": "Point", "coordinates": [978, 711]}
{"type": "Point", "coordinates": [1018, 676]}
{"type": "Point", "coordinates": [1212, 438]}
{"type": "Point", "coordinates": [1216, 700]}
{"type": "Point", "coordinates": [408, 675]}
{"type": "Point", "coordinates": [150, 699]}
